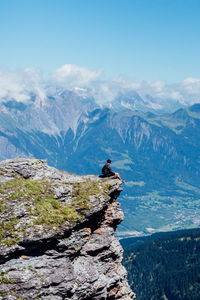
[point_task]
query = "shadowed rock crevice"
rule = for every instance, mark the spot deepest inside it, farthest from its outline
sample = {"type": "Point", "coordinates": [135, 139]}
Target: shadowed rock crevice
{"type": "Point", "coordinates": [57, 235]}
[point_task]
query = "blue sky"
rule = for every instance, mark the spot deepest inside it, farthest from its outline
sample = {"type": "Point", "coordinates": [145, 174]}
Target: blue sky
{"type": "Point", "coordinates": [139, 39]}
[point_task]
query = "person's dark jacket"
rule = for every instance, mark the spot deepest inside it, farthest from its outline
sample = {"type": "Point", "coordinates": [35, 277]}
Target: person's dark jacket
{"type": "Point", "coordinates": [107, 170]}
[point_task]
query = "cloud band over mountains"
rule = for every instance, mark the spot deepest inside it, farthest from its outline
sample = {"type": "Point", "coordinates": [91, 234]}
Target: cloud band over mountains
{"type": "Point", "coordinates": [20, 85]}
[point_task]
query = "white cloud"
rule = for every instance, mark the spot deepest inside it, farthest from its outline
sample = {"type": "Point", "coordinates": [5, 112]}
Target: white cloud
{"type": "Point", "coordinates": [176, 95]}
{"type": "Point", "coordinates": [22, 84]}
{"type": "Point", "coordinates": [158, 86]}
{"type": "Point", "coordinates": [192, 85]}
{"type": "Point", "coordinates": [71, 76]}
{"type": "Point", "coordinates": [19, 85]}
{"type": "Point", "coordinates": [11, 86]}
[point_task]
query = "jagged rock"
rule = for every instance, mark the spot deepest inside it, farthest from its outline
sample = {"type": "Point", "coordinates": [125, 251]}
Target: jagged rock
{"type": "Point", "coordinates": [57, 235]}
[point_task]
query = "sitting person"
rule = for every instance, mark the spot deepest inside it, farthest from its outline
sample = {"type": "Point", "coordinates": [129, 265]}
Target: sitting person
{"type": "Point", "coordinates": [107, 171]}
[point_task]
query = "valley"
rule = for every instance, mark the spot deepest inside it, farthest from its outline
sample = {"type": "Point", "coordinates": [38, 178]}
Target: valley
{"type": "Point", "coordinates": [157, 154]}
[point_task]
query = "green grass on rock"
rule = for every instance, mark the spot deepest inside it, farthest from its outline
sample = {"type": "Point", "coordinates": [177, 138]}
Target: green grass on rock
{"type": "Point", "coordinates": [38, 198]}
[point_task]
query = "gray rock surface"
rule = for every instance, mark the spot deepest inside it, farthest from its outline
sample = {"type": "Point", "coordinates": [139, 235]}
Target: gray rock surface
{"type": "Point", "coordinates": [57, 235]}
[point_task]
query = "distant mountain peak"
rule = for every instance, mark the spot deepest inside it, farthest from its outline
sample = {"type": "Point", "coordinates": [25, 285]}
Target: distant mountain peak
{"type": "Point", "coordinates": [195, 107]}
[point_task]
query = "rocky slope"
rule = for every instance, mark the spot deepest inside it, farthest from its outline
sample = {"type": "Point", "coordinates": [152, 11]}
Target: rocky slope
{"type": "Point", "coordinates": [57, 234]}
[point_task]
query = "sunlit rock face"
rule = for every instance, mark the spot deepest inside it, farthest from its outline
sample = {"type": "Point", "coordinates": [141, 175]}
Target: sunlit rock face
{"type": "Point", "coordinates": [57, 234]}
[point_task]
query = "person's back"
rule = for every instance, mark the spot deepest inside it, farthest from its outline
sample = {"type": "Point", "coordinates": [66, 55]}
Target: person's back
{"type": "Point", "coordinates": [106, 170]}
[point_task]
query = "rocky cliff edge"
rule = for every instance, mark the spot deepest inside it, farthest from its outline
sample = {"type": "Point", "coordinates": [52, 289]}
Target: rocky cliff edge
{"type": "Point", "coordinates": [57, 235]}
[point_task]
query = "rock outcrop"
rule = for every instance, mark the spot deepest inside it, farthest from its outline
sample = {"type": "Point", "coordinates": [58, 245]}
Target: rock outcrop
{"type": "Point", "coordinates": [57, 235]}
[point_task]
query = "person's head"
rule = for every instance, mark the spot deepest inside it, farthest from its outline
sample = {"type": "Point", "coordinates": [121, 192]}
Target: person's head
{"type": "Point", "coordinates": [108, 161]}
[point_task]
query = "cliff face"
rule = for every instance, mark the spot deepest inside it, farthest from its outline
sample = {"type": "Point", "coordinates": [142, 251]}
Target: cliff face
{"type": "Point", "coordinates": [57, 235]}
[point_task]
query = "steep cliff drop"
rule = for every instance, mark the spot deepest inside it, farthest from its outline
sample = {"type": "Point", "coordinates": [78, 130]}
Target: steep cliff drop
{"type": "Point", "coordinates": [57, 235]}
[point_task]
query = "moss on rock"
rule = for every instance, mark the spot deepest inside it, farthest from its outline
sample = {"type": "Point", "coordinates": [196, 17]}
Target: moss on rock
{"type": "Point", "coordinates": [38, 199]}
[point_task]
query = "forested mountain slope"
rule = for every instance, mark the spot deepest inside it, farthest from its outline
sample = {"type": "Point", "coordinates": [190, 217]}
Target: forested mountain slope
{"type": "Point", "coordinates": [164, 266]}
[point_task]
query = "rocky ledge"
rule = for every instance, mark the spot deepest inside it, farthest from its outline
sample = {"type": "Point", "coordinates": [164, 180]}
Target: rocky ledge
{"type": "Point", "coordinates": [57, 234]}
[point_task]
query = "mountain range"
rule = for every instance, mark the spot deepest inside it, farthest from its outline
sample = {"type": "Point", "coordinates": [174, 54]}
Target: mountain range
{"type": "Point", "coordinates": [156, 152]}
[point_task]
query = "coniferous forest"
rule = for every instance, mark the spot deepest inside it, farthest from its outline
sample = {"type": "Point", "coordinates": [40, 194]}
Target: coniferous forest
{"type": "Point", "coordinates": [164, 266]}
